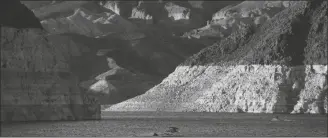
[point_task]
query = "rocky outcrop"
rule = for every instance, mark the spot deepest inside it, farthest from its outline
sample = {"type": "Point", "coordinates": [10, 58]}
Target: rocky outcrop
{"type": "Point", "coordinates": [55, 9]}
{"type": "Point", "coordinates": [180, 16]}
{"type": "Point", "coordinates": [84, 22]}
{"type": "Point", "coordinates": [122, 8]}
{"type": "Point", "coordinates": [132, 67]}
{"type": "Point", "coordinates": [117, 50]}
{"type": "Point", "coordinates": [233, 17]}
{"type": "Point", "coordinates": [279, 67]}
{"type": "Point", "coordinates": [37, 80]}
{"type": "Point", "coordinates": [85, 18]}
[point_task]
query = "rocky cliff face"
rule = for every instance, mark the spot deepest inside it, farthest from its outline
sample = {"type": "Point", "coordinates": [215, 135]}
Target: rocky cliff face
{"type": "Point", "coordinates": [88, 18]}
{"type": "Point", "coordinates": [233, 17]}
{"type": "Point", "coordinates": [124, 60]}
{"type": "Point", "coordinates": [279, 67]}
{"type": "Point", "coordinates": [37, 79]}
{"type": "Point", "coordinates": [180, 15]}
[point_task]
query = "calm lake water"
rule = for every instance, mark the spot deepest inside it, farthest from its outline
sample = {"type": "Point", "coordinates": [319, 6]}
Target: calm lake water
{"type": "Point", "coordinates": [190, 124]}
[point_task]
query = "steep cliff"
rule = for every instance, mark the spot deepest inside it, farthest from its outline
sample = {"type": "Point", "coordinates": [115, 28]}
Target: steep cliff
{"type": "Point", "coordinates": [279, 67]}
{"type": "Point", "coordinates": [37, 80]}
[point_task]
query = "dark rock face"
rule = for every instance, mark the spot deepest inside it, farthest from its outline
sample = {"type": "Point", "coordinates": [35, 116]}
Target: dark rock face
{"type": "Point", "coordinates": [37, 82]}
{"type": "Point", "coordinates": [144, 56]}
{"type": "Point", "coordinates": [294, 45]}
{"type": "Point", "coordinates": [15, 14]}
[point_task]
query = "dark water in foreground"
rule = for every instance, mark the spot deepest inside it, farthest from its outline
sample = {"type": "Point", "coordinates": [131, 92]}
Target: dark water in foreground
{"type": "Point", "coordinates": [189, 124]}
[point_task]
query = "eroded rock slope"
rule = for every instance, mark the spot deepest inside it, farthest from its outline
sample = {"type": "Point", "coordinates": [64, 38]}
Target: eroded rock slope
{"type": "Point", "coordinates": [279, 67]}
{"type": "Point", "coordinates": [129, 60]}
{"type": "Point", "coordinates": [37, 80]}
{"type": "Point", "coordinates": [233, 17]}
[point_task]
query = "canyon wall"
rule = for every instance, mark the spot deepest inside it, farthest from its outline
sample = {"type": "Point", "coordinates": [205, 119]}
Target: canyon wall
{"type": "Point", "coordinates": [122, 62]}
{"type": "Point", "coordinates": [234, 16]}
{"type": "Point", "coordinates": [37, 80]}
{"type": "Point", "coordinates": [279, 67]}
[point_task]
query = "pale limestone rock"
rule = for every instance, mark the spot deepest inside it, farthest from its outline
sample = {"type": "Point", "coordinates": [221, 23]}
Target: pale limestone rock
{"type": "Point", "coordinates": [255, 88]}
{"type": "Point", "coordinates": [176, 12]}
{"type": "Point", "coordinates": [314, 94]}
{"type": "Point", "coordinates": [112, 5]}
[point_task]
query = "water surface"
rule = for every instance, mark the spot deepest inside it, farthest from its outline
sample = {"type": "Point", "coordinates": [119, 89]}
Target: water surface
{"type": "Point", "coordinates": [190, 124]}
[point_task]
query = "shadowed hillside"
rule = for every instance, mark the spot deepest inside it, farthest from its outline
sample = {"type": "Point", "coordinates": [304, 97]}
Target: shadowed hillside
{"type": "Point", "coordinates": [280, 66]}
{"type": "Point", "coordinates": [37, 82]}
{"type": "Point", "coordinates": [134, 55]}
